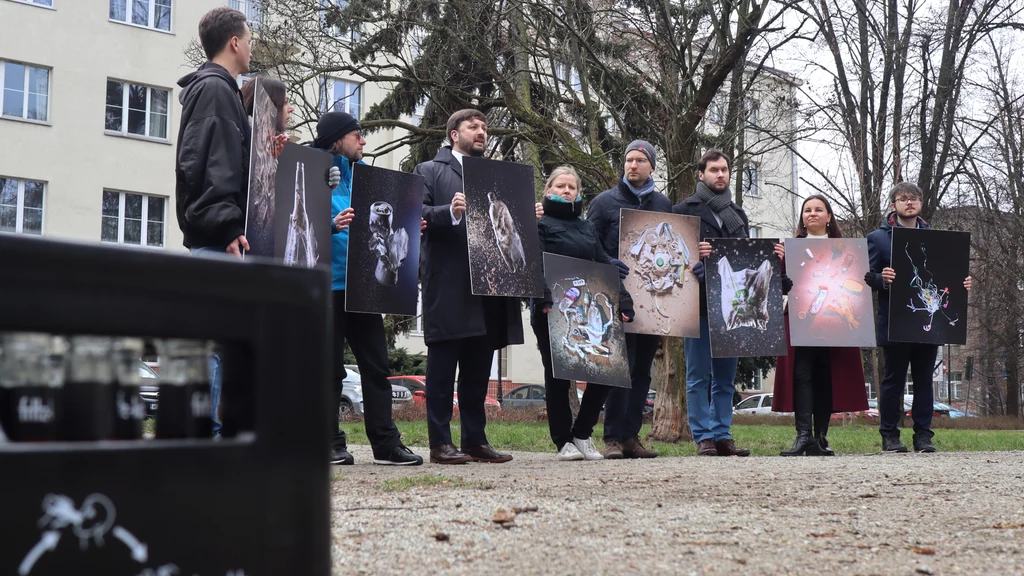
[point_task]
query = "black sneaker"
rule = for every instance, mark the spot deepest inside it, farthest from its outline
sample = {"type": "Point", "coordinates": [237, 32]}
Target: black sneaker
{"type": "Point", "coordinates": [893, 444]}
{"type": "Point", "coordinates": [923, 443]}
{"type": "Point", "coordinates": [340, 456]}
{"type": "Point", "coordinates": [399, 456]}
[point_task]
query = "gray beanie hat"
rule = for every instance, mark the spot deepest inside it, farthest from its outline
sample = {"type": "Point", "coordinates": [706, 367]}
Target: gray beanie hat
{"type": "Point", "coordinates": [645, 147]}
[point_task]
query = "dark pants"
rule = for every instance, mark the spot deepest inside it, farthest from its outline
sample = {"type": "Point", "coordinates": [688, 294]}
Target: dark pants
{"type": "Point", "coordinates": [472, 357]}
{"type": "Point", "coordinates": [812, 388]}
{"type": "Point", "coordinates": [365, 335]}
{"type": "Point", "coordinates": [560, 423]}
{"type": "Point", "coordinates": [921, 360]}
{"type": "Point", "coordinates": [624, 410]}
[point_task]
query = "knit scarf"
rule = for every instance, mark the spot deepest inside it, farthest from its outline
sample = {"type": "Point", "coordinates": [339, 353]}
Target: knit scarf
{"type": "Point", "coordinates": [642, 191]}
{"type": "Point", "coordinates": [721, 204]}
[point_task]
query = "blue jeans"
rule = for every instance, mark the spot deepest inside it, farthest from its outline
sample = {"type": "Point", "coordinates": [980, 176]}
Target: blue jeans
{"type": "Point", "coordinates": [215, 374]}
{"type": "Point", "coordinates": [708, 420]}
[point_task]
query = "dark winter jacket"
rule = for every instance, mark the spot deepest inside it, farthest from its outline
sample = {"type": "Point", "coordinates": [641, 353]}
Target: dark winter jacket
{"type": "Point", "coordinates": [450, 310]}
{"type": "Point", "coordinates": [212, 159]}
{"type": "Point", "coordinates": [603, 212]}
{"type": "Point", "coordinates": [709, 228]}
{"type": "Point", "coordinates": [880, 255]}
{"type": "Point", "coordinates": [563, 232]}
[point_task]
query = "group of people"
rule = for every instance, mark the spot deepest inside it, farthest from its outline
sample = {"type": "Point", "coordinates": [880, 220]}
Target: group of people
{"type": "Point", "coordinates": [462, 330]}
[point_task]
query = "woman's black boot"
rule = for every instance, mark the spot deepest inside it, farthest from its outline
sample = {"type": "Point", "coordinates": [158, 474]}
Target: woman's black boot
{"type": "Point", "coordinates": [804, 444]}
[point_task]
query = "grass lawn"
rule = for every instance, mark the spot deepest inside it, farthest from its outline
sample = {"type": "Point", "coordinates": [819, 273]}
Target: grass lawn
{"type": "Point", "coordinates": [763, 440]}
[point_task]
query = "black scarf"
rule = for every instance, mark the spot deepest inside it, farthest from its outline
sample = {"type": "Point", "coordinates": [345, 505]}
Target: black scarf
{"type": "Point", "coordinates": [562, 210]}
{"type": "Point", "coordinates": [721, 204]}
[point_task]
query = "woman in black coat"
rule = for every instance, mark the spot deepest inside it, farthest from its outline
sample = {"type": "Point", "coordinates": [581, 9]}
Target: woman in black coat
{"type": "Point", "coordinates": [564, 232]}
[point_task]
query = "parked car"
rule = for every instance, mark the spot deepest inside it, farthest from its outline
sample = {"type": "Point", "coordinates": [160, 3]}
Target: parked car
{"type": "Point", "coordinates": [649, 404]}
{"type": "Point", "coordinates": [759, 404]}
{"type": "Point", "coordinates": [150, 393]}
{"type": "Point", "coordinates": [417, 386]}
{"type": "Point", "coordinates": [528, 396]}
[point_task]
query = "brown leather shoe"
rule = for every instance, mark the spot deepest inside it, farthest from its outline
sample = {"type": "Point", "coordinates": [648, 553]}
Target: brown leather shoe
{"type": "Point", "coordinates": [485, 453]}
{"type": "Point", "coordinates": [707, 448]}
{"type": "Point", "coordinates": [632, 448]}
{"type": "Point", "coordinates": [447, 454]}
{"type": "Point", "coordinates": [726, 447]}
{"type": "Point", "coordinates": [612, 450]}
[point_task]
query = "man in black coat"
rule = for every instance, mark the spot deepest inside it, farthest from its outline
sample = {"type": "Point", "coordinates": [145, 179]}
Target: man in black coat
{"type": "Point", "coordinates": [624, 409]}
{"type": "Point", "coordinates": [460, 330]}
{"type": "Point", "coordinates": [213, 140]}
{"type": "Point", "coordinates": [920, 358]}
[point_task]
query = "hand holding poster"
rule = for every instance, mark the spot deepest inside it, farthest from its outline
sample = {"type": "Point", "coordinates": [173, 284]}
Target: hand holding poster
{"type": "Point", "coordinates": [744, 287]}
{"type": "Point", "coordinates": [660, 250]}
{"type": "Point", "coordinates": [927, 300]}
{"type": "Point", "coordinates": [384, 249]}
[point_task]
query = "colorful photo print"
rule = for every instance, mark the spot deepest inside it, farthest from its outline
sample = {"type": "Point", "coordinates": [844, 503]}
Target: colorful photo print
{"type": "Point", "coordinates": [587, 340]}
{"type": "Point", "coordinates": [660, 250]}
{"type": "Point", "coordinates": [501, 228]}
{"type": "Point", "coordinates": [829, 304]}
{"type": "Point", "coordinates": [302, 218]}
{"type": "Point", "coordinates": [744, 286]}
{"type": "Point", "coordinates": [384, 241]}
{"type": "Point", "coordinates": [928, 301]}
{"type": "Point", "coordinates": [259, 216]}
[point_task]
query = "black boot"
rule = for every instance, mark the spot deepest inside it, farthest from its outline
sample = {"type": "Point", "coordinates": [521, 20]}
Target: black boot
{"type": "Point", "coordinates": [820, 433]}
{"type": "Point", "coordinates": [823, 447]}
{"type": "Point", "coordinates": [804, 441]}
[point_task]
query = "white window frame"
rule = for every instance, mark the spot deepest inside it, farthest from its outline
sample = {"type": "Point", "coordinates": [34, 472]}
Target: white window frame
{"type": "Point", "coordinates": [25, 91]}
{"type": "Point", "coordinates": [124, 111]}
{"type": "Point", "coordinates": [757, 384]}
{"type": "Point", "coordinates": [334, 31]}
{"type": "Point", "coordinates": [752, 108]}
{"type": "Point", "coordinates": [251, 9]}
{"type": "Point", "coordinates": [752, 185]}
{"type": "Point", "coordinates": [19, 226]}
{"type": "Point", "coordinates": [151, 19]}
{"type": "Point", "coordinates": [331, 100]}
{"type": "Point", "coordinates": [144, 236]}
{"type": "Point", "coordinates": [36, 3]}
{"type": "Point", "coordinates": [716, 111]}
{"type": "Point", "coordinates": [568, 76]}
{"type": "Point", "coordinates": [756, 232]}
{"type": "Point", "coordinates": [417, 322]}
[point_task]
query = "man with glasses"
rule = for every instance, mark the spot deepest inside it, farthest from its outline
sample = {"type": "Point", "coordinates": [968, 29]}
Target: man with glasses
{"type": "Point", "coordinates": [624, 408]}
{"type": "Point", "coordinates": [920, 358]}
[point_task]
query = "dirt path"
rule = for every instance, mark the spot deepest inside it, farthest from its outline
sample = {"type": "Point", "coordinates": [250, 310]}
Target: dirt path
{"type": "Point", "coordinates": [946, 513]}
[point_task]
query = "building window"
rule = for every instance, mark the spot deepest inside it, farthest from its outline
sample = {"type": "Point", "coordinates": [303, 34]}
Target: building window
{"type": "Point", "coordinates": [136, 109]}
{"type": "Point", "coordinates": [756, 232]}
{"type": "Point", "coordinates": [26, 91]}
{"type": "Point", "coordinates": [133, 218]}
{"type": "Point", "coordinates": [342, 96]}
{"type": "Point", "coordinates": [417, 322]}
{"type": "Point", "coordinates": [751, 187]}
{"type": "Point", "coordinates": [21, 205]}
{"type": "Point", "coordinates": [47, 3]}
{"type": "Point", "coordinates": [331, 7]}
{"type": "Point", "coordinates": [716, 112]}
{"type": "Point", "coordinates": [251, 9]}
{"type": "Point", "coordinates": [756, 385]}
{"type": "Point", "coordinates": [569, 76]}
{"type": "Point", "coordinates": [752, 108]}
{"type": "Point", "coordinates": [155, 14]}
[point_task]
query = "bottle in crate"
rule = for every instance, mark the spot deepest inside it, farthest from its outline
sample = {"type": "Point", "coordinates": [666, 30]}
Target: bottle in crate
{"type": "Point", "coordinates": [89, 390]}
{"type": "Point", "coordinates": [130, 409]}
{"type": "Point", "coordinates": [31, 381]}
{"type": "Point", "coordinates": [185, 409]}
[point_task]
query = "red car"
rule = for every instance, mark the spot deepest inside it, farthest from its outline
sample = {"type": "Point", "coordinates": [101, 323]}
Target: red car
{"type": "Point", "coordinates": [417, 385]}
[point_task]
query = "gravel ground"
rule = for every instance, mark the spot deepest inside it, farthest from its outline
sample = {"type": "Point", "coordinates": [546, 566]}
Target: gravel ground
{"type": "Point", "coordinates": [944, 513]}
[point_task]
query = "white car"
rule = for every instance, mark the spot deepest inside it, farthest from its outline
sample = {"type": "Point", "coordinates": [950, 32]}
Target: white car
{"type": "Point", "coordinates": [760, 404]}
{"type": "Point", "coordinates": [352, 393]}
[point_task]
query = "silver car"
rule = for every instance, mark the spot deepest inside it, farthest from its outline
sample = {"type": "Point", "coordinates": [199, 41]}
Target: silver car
{"type": "Point", "coordinates": [352, 393]}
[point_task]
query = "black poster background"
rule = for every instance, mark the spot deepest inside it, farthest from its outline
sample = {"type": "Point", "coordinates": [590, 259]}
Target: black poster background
{"type": "Point", "coordinates": [941, 259]}
{"type": "Point", "coordinates": [316, 194]}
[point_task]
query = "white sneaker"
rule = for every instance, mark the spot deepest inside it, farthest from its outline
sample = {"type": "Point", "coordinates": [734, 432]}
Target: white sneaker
{"type": "Point", "coordinates": [587, 448]}
{"type": "Point", "coordinates": [569, 452]}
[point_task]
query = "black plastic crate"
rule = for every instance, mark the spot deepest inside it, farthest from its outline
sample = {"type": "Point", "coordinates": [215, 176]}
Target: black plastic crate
{"type": "Point", "coordinates": [253, 503]}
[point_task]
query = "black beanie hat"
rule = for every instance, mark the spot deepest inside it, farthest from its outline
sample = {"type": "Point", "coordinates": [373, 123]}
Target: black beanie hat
{"type": "Point", "coordinates": [332, 126]}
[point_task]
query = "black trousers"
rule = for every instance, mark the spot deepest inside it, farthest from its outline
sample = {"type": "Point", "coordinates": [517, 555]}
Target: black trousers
{"type": "Point", "coordinates": [365, 335]}
{"type": "Point", "coordinates": [624, 412]}
{"type": "Point", "coordinates": [920, 358]}
{"type": "Point", "coordinates": [812, 388]}
{"type": "Point", "coordinates": [560, 423]}
{"type": "Point", "coordinates": [472, 358]}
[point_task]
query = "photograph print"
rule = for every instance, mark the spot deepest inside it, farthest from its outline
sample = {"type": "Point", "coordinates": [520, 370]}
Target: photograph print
{"type": "Point", "coordinates": [259, 216]}
{"type": "Point", "coordinates": [302, 207]}
{"type": "Point", "coordinates": [829, 304]}
{"type": "Point", "coordinates": [501, 229]}
{"type": "Point", "coordinates": [384, 241]}
{"type": "Point", "coordinates": [928, 301]}
{"type": "Point", "coordinates": [744, 287]}
{"type": "Point", "coordinates": [588, 343]}
{"type": "Point", "coordinates": [660, 250]}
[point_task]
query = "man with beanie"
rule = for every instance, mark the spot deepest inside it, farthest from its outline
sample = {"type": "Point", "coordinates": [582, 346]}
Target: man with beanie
{"type": "Point", "coordinates": [711, 421]}
{"type": "Point", "coordinates": [340, 134]}
{"type": "Point", "coordinates": [624, 409]}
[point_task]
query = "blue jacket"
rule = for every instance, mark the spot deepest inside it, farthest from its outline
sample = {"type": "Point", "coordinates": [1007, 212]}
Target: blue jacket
{"type": "Point", "coordinates": [341, 198]}
{"type": "Point", "coordinates": [880, 255]}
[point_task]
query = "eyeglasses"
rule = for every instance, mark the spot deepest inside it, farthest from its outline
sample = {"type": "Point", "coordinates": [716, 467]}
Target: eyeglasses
{"type": "Point", "coordinates": [905, 200]}
{"type": "Point", "coordinates": [637, 161]}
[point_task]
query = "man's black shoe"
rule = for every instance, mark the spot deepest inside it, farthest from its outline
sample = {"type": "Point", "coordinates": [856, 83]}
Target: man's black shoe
{"type": "Point", "coordinates": [398, 456]}
{"type": "Point", "coordinates": [893, 444]}
{"type": "Point", "coordinates": [340, 456]}
{"type": "Point", "coordinates": [923, 443]}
